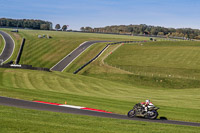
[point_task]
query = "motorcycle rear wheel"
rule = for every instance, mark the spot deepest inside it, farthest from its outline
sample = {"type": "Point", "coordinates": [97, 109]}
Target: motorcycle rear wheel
{"type": "Point", "coordinates": [131, 114]}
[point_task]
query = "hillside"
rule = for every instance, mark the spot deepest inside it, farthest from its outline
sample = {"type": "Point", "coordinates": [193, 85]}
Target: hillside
{"type": "Point", "coordinates": [43, 52]}
{"type": "Point", "coordinates": [96, 93]}
{"type": "Point", "coordinates": [152, 64]}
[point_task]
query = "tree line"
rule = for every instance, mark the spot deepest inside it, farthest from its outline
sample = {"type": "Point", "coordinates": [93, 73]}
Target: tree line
{"type": "Point", "coordinates": [144, 29]}
{"type": "Point", "coordinates": [26, 23]}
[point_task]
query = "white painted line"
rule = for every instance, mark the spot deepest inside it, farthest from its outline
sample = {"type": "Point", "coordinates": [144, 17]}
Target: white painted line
{"type": "Point", "coordinates": [72, 106]}
{"type": "Point", "coordinates": [83, 43]}
{"type": "Point", "coordinates": [68, 55]}
{"type": "Point", "coordinates": [102, 52]}
{"type": "Point", "coordinates": [106, 49]}
{"type": "Point", "coordinates": [4, 45]}
{"type": "Point", "coordinates": [77, 56]}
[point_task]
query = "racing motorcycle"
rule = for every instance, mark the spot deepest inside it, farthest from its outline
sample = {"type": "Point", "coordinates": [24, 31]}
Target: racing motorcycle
{"type": "Point", "coordinates": [139, 111]}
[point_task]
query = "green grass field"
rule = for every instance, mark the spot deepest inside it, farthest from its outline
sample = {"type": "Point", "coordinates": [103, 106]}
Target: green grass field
{"type": "Point", "coordinates": [153, 64]}
{"type": "Point", "coordinates": [158, 55]}
{"type": "Point", "coordinates": [15, 120]}
{"type": "Point", "coordinates": [113, 82]}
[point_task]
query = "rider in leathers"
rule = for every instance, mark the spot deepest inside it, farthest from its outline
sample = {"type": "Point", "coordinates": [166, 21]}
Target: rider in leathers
{"type": "Point", "coordinates": [147, 104]}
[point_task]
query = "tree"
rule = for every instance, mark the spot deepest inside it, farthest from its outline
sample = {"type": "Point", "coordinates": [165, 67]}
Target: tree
{"type": "Point", "coordinates": [141, 29]}
{"type": "Point", "coordinates": [25, 23]}
{"type": "Point", "coordinates": [88, 28]}
{"type": "Point", "coordinates": [44, 27]}
{"type": "Point", "coordinates": [82, 29]}
{"type": "Point", "coordinates": [130, 29]}
{"type": "Point", "coordinates": [64, 28]}
{"type": "Point", "coordinates": [154, 31]}
{"type": "Point", "coordinates": [57, 27]}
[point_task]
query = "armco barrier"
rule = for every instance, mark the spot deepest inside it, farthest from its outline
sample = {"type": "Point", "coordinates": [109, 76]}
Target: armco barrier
{"type": "Point", "coordinates": [75, 72]}
{"type": "Point", "coordinates": [20, 51]}
{"type": "Point", "coordinates": [90, 60]}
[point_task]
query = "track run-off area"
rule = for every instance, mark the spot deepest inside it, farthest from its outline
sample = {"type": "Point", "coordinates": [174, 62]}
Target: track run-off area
{"type": "Point", "coordinates": [87, 111]}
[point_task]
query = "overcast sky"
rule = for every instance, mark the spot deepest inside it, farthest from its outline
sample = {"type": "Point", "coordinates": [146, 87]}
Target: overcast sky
{"type": "Point", "coordinates": [99, 13]}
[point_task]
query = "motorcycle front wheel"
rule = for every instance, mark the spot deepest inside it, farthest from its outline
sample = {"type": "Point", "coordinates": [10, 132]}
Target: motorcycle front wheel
{"type": "Point", "coordinates": [153, 115]}
{"type": "Point", "coordinates": [131, 114]}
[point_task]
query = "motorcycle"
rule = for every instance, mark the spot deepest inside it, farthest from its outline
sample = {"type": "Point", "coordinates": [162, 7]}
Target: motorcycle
{"type": "Point", "coordinates": [139, 111]}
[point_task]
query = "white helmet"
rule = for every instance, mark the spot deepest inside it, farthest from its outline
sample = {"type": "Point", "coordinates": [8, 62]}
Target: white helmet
{"type": "Point", "coordinates": [147, 101]}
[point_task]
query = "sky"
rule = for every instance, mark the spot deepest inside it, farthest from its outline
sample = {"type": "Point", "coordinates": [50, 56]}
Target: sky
{"type": "Point", "coordinates": [100, 13]}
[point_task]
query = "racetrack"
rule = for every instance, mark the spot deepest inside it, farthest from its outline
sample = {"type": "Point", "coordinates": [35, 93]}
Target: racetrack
{"type": "Point", "coordinates": [9, 46]}
{"type": "Point", "coordinates": [61, 65]}
{"type": "Point", "coordinates": [46, 107]}
{"type": "Point", "coordinates": [6, 54]}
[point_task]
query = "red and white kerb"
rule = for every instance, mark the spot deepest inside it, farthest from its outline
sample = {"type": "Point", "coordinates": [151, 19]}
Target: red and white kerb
{"type": "Point", "coordinates": [72, 106]}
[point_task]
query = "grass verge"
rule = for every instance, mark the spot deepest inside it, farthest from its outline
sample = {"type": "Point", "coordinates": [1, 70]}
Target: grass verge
{"type": "Point", "coordinates": [25, 120]}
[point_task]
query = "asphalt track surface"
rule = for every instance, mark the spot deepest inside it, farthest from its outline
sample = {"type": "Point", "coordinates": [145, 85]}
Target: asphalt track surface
{"type": "Point", "coordinates": [53, 108]}
{"type": "Point", "coordinates": [9, 47]}
{"type": "Point", "coordinates": [61, 65]}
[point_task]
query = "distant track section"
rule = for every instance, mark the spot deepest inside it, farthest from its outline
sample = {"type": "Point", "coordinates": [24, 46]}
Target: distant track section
{"type": "Point", "coordinates": [8, 48]}
{"type": "Point", "coordinates": [79, 69]}
{"type": "Point", "coordinates": [55, 108]}
{"type": "Point", "coordinates": [67, 60]}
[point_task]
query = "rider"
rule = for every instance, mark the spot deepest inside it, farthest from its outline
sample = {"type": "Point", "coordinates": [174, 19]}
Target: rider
{"type": "Point", "coordinates": [146, 105]}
